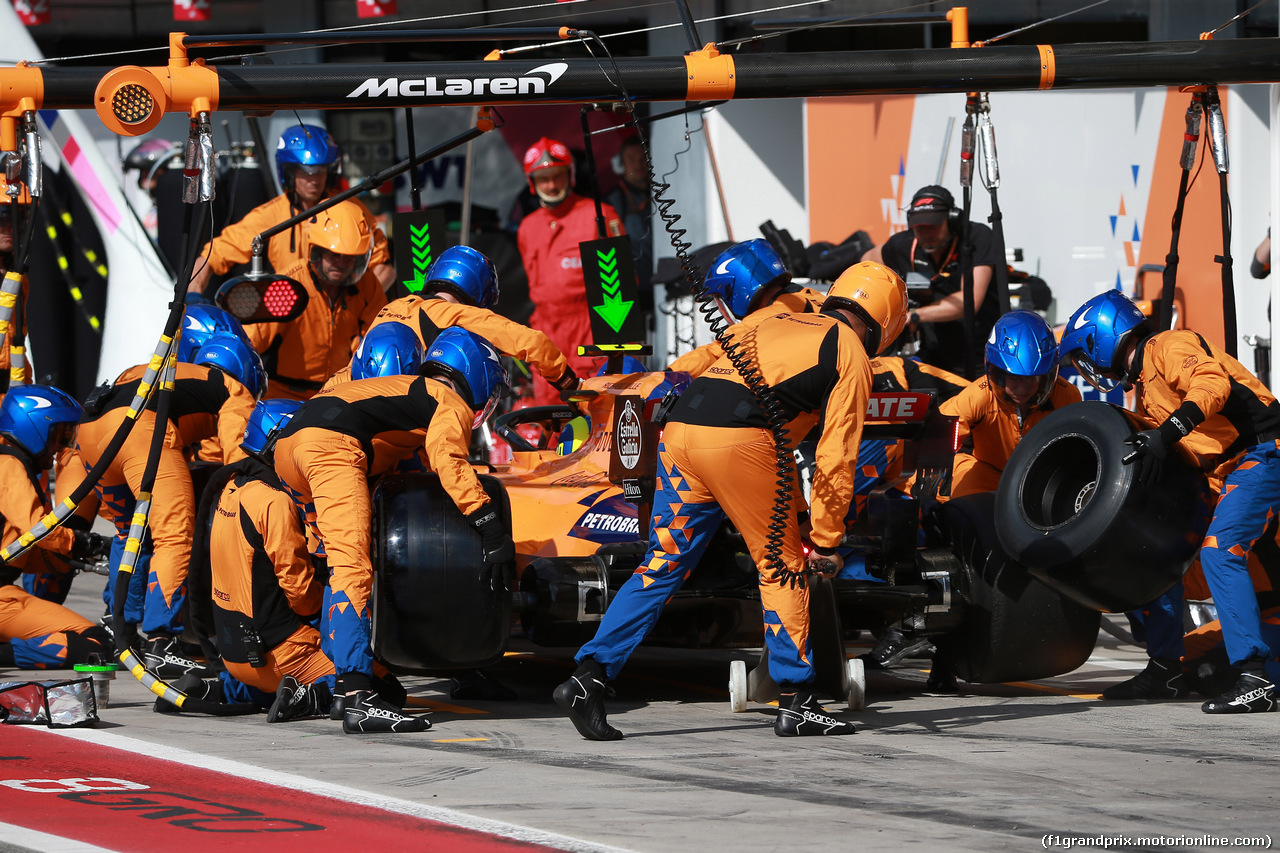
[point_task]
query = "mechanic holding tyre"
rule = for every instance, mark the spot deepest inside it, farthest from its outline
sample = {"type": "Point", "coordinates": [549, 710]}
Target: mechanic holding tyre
{"type": "Point", "coordinates": [1021, 387]}
{"type": "Point", "coordinates": [1195, 395]}
{"type": "Point", "coordinates": [36, 421]}
{"type": "Point", "coordinates": [358, 430]}
{"type": "Point", "coordinates": [717, 458]}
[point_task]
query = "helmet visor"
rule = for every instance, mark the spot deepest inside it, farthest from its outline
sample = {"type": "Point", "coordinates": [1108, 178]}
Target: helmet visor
{"type": "Point", "coordinates": [62, 436]}
{"type": "Point", "coordinates": [337, 269]}
{"type": "Point", "coordinates": [1092, 374]}
{"type": "Point", "coordinates": [487, 410]}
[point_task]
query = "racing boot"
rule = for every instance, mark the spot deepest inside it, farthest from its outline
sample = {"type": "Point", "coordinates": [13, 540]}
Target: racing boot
{"type": "Point", "coordinates": [367, 712]}
{"type": "Point", "coordinates": [166, 659]}
{"type": "Point", "coordinates": [582, 698]}
{"type": "Point", "coordinates": [294, 700]}
{"type": "Point", "coordinates": [893, 646]}
{"type": "Point", "coordinates": [1162, 679]}
{"type": "Point", "coordinates": [801, 715]}
{"type": "Point", "coordinates": [1253, 692]}
{"type": "Point", "coordinates": [477, 684]}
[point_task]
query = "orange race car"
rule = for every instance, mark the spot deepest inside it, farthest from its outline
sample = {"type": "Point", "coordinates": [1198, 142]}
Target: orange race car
{"type": "Point", "coordinates": [579, 534]}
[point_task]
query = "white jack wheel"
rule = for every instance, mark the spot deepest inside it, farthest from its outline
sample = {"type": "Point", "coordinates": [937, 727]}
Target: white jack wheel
{"type": "Point", "coordinates": [857, 673]}
{"type": "Point", "coordinates": [737, 686]}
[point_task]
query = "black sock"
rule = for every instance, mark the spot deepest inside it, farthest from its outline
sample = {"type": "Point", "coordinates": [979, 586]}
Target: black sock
{"type": "Point", "coordinates": [590, 668]}
{"type": "Point", "coordinates": [6, 655]}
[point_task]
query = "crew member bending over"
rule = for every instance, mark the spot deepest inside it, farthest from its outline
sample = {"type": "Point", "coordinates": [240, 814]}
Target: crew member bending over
{"type": "Point", "coordinates": [717, 457]}
{"type": "Point", "coordinates": [359, 430]}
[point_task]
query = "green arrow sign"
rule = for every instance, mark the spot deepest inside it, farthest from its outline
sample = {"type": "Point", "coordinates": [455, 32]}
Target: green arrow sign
{"type": "Point", "coordinates": [610, 280]}
{"type": "Point", "coordinates": [420, 244]}
{"type": "Point", "coordinates": [421, 236]}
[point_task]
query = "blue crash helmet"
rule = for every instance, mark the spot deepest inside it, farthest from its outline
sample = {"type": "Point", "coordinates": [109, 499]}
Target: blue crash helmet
{"type": "Point", "coordinates": [467, 274]}
{"type": "Point", "coordinates": [1098, 336]}
{"type": "Point", "coordinates": [40, 419]}
{"type": "Point", "coordinates": [308, 146]}
{"type": "Point", "coordinates": [741, 271]}
{"type": "Point", "coordinates": [630, 364]}
{"type": "Point", "coordinates": [237, 359]}
{"type": "Point", "coordinates": [202, 322]}
{"type": "Point", "coordinates": [267, 419]}
{"type": "Point", "coordinates": [473, 365]}
{"type": "Point", "coordinates": [1022, 344]}
{"type": "Point", "coordinates": [389, 349]}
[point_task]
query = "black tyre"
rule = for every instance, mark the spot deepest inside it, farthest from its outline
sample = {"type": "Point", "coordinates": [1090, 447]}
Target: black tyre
{"type": "Point", "coordinates": [434, 607]}
{"type": "Point", "coordinates": [1013, 627]}
{"type": "Point", "coordinates": [1073, 514]}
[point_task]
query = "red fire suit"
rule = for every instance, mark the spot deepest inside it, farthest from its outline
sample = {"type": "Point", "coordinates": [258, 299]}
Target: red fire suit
{"type": "Point", "coordinates": [548, 240]}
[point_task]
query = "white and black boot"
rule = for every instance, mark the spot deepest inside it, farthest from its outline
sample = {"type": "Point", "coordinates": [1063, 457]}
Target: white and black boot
{"type": "Point", "coordinates": [801, 715]}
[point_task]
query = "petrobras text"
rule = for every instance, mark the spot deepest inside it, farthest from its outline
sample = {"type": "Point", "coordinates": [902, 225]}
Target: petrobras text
{"type": "Point", "coordinates": [530, 83]}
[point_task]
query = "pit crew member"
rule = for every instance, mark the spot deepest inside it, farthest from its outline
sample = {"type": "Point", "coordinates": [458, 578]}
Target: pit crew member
{"type": "Point", "coordinates": [717, 457]}
{"type": "Point", "coordinates": [1194, 394]}
{"type": "Point", "coordinates": [359, 430]}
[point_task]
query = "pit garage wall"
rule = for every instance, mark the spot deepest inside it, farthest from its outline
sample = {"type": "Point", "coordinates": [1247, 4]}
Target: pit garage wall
{"type": "Point", "coordinates": [1088, 184]}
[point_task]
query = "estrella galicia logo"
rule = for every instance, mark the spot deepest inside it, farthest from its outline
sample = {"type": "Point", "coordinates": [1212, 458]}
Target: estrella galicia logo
{"type": "Point", "coordinates": [610, 520]}
{"type": "Point", "coordinates": [532, 82]}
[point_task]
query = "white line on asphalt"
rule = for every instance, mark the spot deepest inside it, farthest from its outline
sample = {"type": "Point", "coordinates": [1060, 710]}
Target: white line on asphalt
{"type": "Point", "coordinates": [44, 842]}
{"type": "Point", "coordinates": [338, 792]}
{"type": "Point", "coordinates": [1112, 663]}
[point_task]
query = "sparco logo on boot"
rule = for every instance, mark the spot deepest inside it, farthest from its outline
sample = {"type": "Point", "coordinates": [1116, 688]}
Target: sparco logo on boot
{"type": "Point", "coordinates": [529, 83]}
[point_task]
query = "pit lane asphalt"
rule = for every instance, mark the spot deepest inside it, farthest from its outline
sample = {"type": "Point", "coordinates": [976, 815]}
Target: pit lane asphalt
{"type": "Point", "coordinates": [994, 768]}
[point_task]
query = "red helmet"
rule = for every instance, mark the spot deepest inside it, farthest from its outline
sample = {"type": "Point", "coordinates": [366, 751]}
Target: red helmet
{"type": "Point", "coordinates": [545, 154]}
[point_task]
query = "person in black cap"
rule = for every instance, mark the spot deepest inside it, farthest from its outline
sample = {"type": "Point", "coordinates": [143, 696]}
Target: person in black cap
{"type": "Point", "coordinates": [930, 250]}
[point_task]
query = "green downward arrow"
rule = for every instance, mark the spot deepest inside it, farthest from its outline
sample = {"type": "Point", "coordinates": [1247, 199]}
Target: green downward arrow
{"type": "Point", "coordinates": [420, 238]}
{"type": "Point", "coordinates": [415, 284]}
{"type": "Point", "coordinates": [614, 311]}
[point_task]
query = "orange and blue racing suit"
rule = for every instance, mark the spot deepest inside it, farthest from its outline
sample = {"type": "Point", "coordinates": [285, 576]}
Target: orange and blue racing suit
{"type": "Point", "coordinates": [991, 427]}
{"type": "Point", "coordinates": [265, 591]}
{"type": "Point", "coordinates": [206, 403]}
{"type": "Point", "coordinates": [46, 572]}
{"type": "Point", "coordinates": [717, 458]}
{"type": "Point", "coordinates": [40, 634]}
{"type": "Point", "coordinates": [326, 456]}
{"type": "Point", "coordinates": [1234, 433]}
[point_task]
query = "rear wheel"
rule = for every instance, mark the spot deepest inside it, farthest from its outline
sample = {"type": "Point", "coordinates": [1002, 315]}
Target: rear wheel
{"type": "Point", "coordinates": [1014, 628]}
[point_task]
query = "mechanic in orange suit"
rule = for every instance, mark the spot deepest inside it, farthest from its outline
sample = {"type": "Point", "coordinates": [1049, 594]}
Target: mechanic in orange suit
{"type": "Point", "coordinates": [461, 289]}
{"type": "Point", "coordinates": [264, 588]}
{"type": "Point", "coordinates": [36, 421]}
{"type": "Point", "coordinates": [548, 239]}
{"type": "Point", "coordinates": [359, 430]}
{"type": "Point", "coordinates": [344, 298]}
{"type": "Point", "coordinates": [212, 397]}
{"type": "Point", "coordinates": [751, 284]}
{"type": "Point", "coordinates": [1020, 389]}
{"type": "Point", "coordinates": [13, 212]}
{"type": "Point", "coordinates": [717, 458]}
{"type": "Point", "coordinates": [308, 163]}
{"type": "Point", "coordinates": [1193, 394]}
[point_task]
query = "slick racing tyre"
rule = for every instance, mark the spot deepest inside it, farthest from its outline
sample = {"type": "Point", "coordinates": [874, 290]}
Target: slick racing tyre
{"type": "Point", "coordinates": [434, 606]}
{"type": "Point", "coordinates": [1014, 628]}
{"type": "Point", "coordinates": [1079, 520]}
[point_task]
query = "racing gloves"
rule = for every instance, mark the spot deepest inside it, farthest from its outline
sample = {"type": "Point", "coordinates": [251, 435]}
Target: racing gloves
{"type": "Point", "coordinates": [90, 547]}
{"type": "Point", "coordinates": [567, 382]}
{"type": "Point", "coordinates": [499, 549]}
{"type": "Point", "coordinates": [1151, 446]}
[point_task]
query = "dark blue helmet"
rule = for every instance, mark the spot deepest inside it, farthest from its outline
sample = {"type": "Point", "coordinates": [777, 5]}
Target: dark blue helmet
{"type": "Point", "coordinates": [202, 322]}
{"type": "Point", "coordinates": [1022, 344]}
{"type": "Point", "coordinates": [305, 145]}
{"type": "Point", "coordinates": [741, 271]}
{"type": "Point", "coordinates": [473, 365]}
{"type": "Point", "coordinates": [39, 418]}
{"type": "Point", "coordinates": [630, 364]}
{"type": "Point", "coordinates": [1098, 336]}
{"type": "Point", "coordinates": [237, 359]}
{"type": "Point", "coordinates": [467, 274]}
{"type": "Point", "coordinates": [390, 349]}
{"type": "Point", "coordinates": [268, 418]}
